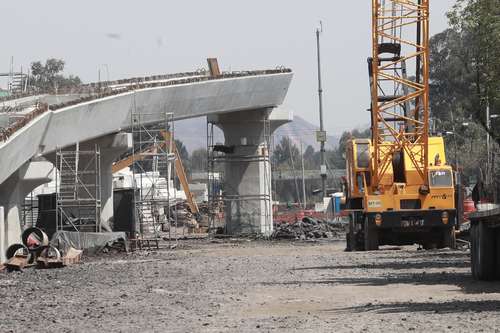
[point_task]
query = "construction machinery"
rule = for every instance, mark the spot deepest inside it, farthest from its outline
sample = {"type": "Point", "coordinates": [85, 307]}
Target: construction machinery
{"type": "Point", "coordinates": [485, 242]}
{"type": "Point", "coordinates": [399, 189]}
{"type": "Point", "coordinates": [178, 166]}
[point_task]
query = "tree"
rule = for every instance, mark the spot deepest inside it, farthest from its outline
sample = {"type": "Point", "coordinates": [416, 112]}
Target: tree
{"type": "Point", "coordinates": [199, 160]}
{"type": "Point", "coordinates": [477, 26]}
{"type": "Point", "coordinates": [465, 78]}
{"type": "Point", "coordinates": [183, 153]}
{"type": "Point", "coordinates": [285, 153]}
{"type": "Point", "coordinates": [48, 77]}
{"type": "Point", "coordinates": [349, 135]}
{"type": "Point", "coordinates": [309, 153]}
{"type": "Point", "coordinates": [311, 158]}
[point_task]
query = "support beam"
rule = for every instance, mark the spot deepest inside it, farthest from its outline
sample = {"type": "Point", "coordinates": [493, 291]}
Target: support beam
{"type": "Point", "coordinates": [120, 144]}
{"type": "Point", "coordinates": [13, 191]}
{"type": "Point", "coordinates": [247, 176]}
{"type": "Point", "coordinates": [2, 236]}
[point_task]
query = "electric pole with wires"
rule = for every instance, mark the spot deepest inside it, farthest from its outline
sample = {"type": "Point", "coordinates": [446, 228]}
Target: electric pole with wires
{"type": "Point", "coordinates": [321, 134]}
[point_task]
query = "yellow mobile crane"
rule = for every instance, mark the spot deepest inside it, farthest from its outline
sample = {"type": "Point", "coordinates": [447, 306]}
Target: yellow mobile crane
{"type": "Point", "coordinates": [399, 189]}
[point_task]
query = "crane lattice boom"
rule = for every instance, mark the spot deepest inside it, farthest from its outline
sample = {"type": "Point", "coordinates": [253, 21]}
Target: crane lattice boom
{"type": "Point", "coordinates": [399, 79]}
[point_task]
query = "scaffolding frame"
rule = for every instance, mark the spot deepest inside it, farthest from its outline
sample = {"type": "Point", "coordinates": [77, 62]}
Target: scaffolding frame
{"type": "Point", "coordinates": [217, 198]}
{"type": "Point", "coordinates": [153, 202]}
{"type": "Point", "coordinates": [29, 211]}
{"type": "Point", "coordinates": [78, 189]}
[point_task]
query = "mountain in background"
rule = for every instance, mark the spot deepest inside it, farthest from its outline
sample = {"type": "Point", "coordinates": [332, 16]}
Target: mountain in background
{"type": "Point", "coordinates": [301, 130]}
{"type": "Point", "coordinates": [193, 133]}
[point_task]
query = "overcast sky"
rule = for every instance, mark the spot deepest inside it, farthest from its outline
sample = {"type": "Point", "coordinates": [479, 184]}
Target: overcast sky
{"type": "Point", "coordinates": [164, 36]}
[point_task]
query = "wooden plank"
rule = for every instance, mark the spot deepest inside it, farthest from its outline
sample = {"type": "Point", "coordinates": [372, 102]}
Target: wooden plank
{"type": "Point", "coordinates": [213, 67]}
{"type": "Point", "coordinates": [17, 263]}
{"type": "Point", "coordinates": [181, 174]}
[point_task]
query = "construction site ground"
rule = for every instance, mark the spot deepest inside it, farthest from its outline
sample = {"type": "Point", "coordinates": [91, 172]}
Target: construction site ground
{"type": "Point", "coordinates": [254, 286]}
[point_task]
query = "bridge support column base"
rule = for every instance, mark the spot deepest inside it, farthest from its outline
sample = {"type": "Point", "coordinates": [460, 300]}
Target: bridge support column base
{"type": "Point", "coordinates": [13, 191]}
{"type": "Point", "coordinates": [247, 191]}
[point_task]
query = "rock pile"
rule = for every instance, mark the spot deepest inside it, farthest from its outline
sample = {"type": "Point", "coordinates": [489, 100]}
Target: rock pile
{"type": "Point", "coordinates": [309, 228]}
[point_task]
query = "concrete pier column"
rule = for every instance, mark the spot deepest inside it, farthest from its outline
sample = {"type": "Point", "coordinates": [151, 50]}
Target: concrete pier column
{"type": "Point", "coordinates": [247, 169]}
{"type": "Point", "coordinates": [13, 191]}
{"type": "Point", "coordinates": [2, 236]}
{"type": "Point", "coordinates": [110, 153]}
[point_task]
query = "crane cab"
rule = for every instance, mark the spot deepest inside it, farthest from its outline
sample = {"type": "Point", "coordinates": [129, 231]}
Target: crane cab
{"type": "Point", "coordinates": [402, 209]}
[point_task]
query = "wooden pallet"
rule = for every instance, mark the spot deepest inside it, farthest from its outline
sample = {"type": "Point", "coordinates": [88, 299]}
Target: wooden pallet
{"type": "Point", "coordinates": [17, 263]}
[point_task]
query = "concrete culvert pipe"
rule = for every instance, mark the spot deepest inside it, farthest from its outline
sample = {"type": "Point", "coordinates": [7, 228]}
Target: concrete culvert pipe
{"type": "Point", "coordinates": [35, 239]}
{"type": "Point", "coordinates": [51, 252]}
{"type": "Point", "coordinates": [18, 250]}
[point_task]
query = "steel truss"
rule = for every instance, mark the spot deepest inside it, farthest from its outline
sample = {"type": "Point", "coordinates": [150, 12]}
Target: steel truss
{"type": "Point", "coordinates": [400, 99]}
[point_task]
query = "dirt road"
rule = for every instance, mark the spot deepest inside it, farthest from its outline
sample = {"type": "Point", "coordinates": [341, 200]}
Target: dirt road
{"type": "Point", "coordinates": [254, 286]}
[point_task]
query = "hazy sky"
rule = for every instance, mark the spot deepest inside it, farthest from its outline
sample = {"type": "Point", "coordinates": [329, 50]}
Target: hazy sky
{"type": "Point", "coordinates": [164, 36]}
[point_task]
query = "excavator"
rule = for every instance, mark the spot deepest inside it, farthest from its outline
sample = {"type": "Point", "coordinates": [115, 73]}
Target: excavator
{"type": "Point", "coordinates": [178, 166]}
{"type": "Point", "coordinates": [399, 189]}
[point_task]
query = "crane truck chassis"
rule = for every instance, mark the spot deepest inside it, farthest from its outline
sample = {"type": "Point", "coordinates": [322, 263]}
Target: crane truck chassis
{"type": "Point", "coordinates": [399, 213]}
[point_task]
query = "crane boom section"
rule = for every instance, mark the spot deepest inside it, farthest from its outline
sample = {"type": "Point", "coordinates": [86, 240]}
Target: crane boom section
{"type": "Point", "coordinates": [399, 83]}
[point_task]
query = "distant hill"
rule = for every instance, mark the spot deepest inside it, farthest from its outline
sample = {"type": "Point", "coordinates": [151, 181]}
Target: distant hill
{"type": "Point", "coordinates": [302, 130]}
{"type": "Point", "coordinates": [193, 133]}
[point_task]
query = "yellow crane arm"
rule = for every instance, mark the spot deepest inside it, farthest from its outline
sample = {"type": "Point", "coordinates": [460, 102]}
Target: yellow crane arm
{"type": "Point", "coordinates": [181, 174]}
{"type": "Point", "coordinates": [179, 169]}
{"type": "Point", "coordinates": [126, 162]}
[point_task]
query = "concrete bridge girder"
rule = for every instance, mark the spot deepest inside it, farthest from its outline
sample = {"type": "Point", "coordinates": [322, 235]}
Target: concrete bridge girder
{"type": "Point", "coordinates": [92, 121]}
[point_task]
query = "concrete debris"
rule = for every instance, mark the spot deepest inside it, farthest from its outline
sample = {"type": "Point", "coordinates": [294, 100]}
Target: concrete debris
{"type": "Point", "coordinates": [309, 228]}
{"type": "Point", "coordinates": [181, 216]}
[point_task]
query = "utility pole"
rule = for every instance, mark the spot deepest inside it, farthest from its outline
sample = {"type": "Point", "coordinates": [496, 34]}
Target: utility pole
{"type": "Point", "coordinates": [321, 134]}
{"type": "Point", "coordinates": [488, 148]}
{"type": "Point", "coordinates": [454, 129]}
{"type": "Point", "coordinates": [304, 198]}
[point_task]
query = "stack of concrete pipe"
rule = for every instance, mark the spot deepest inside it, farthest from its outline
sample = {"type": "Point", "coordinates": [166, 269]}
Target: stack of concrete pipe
{"type": "Point", "coordinates": [35, 244]}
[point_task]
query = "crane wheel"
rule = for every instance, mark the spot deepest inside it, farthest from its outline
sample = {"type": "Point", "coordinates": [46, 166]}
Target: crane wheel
{"type": "Point", "coordinates": [497, 254]}
{"type": "Point", "coordinates": [449, 238]}
{"type": "Point", "coordinates": [351, 235]}
{"type": "Point", "coordinates": [370, 236]}
{"type": "Point", "coordinates": [354, 239]}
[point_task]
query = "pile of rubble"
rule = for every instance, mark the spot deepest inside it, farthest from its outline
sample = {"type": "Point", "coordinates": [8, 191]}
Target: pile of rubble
{"type": "Point", "coordinates": [181, 215]}
{"type": "Point", "coordinates": [309, 228]}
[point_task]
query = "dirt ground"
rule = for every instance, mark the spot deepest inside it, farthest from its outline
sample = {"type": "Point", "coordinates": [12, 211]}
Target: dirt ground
{"type": "Point", "coordinates": [254, 286]}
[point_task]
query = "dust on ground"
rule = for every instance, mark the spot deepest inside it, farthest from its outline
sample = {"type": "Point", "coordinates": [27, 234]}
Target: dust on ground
{"type": "Point", "coordinates": [254, 286]}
